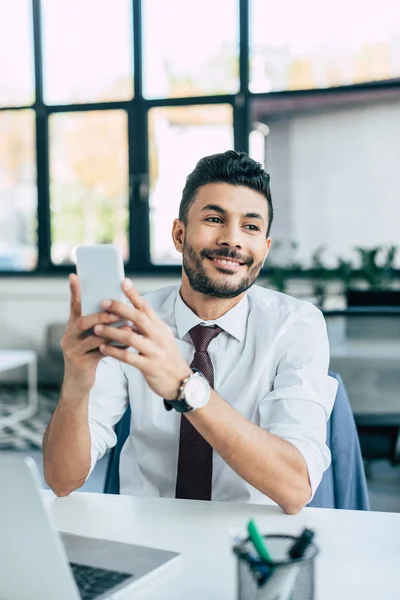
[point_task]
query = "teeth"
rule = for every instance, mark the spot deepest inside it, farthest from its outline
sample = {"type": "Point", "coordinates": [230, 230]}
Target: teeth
{"type": "Point", "coordinates": [227, 262]}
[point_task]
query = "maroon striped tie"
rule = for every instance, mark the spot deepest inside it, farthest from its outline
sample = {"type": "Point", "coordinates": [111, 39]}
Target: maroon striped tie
{"type": "Point", "coordinates": [195, 460]}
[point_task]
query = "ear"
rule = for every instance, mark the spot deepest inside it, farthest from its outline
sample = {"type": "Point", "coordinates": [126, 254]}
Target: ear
{"type": "Point", "coordinates": [268, 243]}
{"type": "Point", "coordinates": [178, 234]}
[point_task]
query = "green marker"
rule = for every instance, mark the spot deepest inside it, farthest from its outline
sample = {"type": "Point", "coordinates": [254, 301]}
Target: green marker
{"type": "Point", "coordinates": [258, 541]}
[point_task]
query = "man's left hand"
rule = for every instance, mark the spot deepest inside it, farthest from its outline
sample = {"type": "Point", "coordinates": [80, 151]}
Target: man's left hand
{"type": "Point", "coordinates": [158, 356]}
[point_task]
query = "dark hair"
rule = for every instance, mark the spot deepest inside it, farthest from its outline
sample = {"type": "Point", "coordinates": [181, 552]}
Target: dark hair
{"type": "Point", "coordinates": [235, 168]}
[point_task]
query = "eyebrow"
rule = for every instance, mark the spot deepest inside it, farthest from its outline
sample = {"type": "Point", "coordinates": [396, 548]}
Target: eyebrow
{"type": "Point", "coordinates": [222, 211]}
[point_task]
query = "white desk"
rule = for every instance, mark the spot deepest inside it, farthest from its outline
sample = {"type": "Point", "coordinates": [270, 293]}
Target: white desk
{"type": "Point", "coordinates": [359, 552]}
{"type": "Point", "coordinates": [11, 359]}
{"type": "Point", "coordinates": [366, 349]}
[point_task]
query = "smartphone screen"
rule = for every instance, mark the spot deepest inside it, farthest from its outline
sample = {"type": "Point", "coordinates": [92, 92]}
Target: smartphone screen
{"type": "Point", "coordinates": [100, 269]}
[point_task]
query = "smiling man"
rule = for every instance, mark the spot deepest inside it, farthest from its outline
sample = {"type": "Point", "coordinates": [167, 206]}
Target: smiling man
{"type": "Point", "coordinates": [228, 382]}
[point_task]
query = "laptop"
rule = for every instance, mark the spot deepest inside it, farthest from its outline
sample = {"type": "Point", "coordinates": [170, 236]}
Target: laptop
{"type": "Point", "coordinates": [39, 563]}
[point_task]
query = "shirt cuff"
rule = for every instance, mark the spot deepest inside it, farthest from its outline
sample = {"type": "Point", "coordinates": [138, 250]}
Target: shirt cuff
{"type": "Point", "coordinates": [317, 461]}
{"type": "Point", "coordinates": [99, 443]}
{"type": "Point", "coordinates": [94, 456]}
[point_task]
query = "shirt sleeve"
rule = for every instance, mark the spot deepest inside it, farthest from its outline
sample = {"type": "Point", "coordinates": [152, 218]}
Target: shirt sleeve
{"type": "Point", "coordinates": [303, 394]}
{"type": "Point", "coordinates": [108, 400]}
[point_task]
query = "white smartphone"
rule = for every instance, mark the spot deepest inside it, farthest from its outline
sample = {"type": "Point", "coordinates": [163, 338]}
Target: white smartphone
{"type": "Point", "coordinates": [100, 269]}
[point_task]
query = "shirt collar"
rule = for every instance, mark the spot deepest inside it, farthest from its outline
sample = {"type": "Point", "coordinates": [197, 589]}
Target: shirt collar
{"type": "Point", "coordinates": [233, 322]}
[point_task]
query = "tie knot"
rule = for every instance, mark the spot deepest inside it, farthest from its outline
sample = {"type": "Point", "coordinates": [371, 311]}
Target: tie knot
{"type": "Point", "coordinates": [202, 336]}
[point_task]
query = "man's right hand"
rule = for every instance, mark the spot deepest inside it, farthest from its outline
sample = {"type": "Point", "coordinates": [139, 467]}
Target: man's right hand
{"type": "Point", "coordinates": [80, 349]}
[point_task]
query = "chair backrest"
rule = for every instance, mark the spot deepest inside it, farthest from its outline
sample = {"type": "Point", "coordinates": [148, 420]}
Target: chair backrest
{"type": "Point", "coordinates": [344, 484]}
{"type": "Point", "coordinates": [122, 429]}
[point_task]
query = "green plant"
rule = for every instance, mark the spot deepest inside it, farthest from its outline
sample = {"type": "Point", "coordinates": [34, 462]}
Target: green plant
{"type": "Point", "coordinates": [377, 269]}
{"type": "Point", "coordinates": [345, 272]}
{"type": "Point", "coordinates": [278, 275]}
{"type": "Point", "coordinates": [377, 265]}
{"type": "Point", "coordinates": [321, 276]}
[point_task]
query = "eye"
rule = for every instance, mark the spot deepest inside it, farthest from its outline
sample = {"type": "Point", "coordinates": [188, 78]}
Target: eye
{"type": "Point", "coordinates": [253, 227]}
{"type": "Point", "coordinates": [214, 219]}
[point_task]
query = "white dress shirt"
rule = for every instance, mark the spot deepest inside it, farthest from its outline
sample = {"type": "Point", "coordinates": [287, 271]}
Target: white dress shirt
{"type": "Point", "coordinates": [270, 363]}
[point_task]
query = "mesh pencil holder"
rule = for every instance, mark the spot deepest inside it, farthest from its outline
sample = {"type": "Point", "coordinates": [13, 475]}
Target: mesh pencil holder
{"type": "Point", "coordinates": [283, 578]}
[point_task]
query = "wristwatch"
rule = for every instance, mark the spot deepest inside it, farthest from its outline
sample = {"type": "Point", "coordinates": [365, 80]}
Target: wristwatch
{"type": "Point", "coordinates": [194, 393]}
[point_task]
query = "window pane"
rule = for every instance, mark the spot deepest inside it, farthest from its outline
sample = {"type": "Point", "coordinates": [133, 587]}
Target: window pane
{"type": "Point", "coordinates": [89, 181]}
{"type": "Point", "coordinates": [334, 180]}
{"type": "Point", "coordinates": [17, 81]}
{"type": "Point", "coordinates": [88, 55]}
{"type": "Point", "coordinates": [314, 44]}
{"type": "Point", "coordinates": [18, 193]}
{"type": "Point", "coordinates": [196, 54]}
{"type": "Point", "coordinates": [178, 138]}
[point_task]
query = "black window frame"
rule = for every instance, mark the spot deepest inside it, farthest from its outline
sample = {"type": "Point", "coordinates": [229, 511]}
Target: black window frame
{"type": "Point", "coordinates": [137, 109]}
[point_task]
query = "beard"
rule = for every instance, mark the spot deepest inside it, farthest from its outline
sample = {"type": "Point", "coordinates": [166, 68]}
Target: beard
{"type": "Point", "coordinates": [201, 282]}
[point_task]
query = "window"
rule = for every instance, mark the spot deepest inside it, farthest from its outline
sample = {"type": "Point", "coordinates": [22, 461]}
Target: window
{"type": "Point", "coordinates": [16, 54]}
{"type": "Point", "coordinates": [89, 181]}
{"type": "Point", "coordinates": [18, 193]}
{"type": "Point", "coordinates": [314, 44]}
{"type": "Point", "coordinates": [88, 55]}
{"type": "Point", "coordinates": [106, 107]}
{"type": "Point", "coordinates": [178, 138]}
{"type": "Point", "coordinates": [196, 54]}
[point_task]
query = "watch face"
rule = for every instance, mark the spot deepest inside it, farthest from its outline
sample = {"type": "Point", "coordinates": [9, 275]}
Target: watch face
{"type": "Point", "coordinates": [197, 392]}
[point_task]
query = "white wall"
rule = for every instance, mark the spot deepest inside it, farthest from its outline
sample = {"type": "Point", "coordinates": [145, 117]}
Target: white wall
{"type": "Point", "coordinates": [335, 178]}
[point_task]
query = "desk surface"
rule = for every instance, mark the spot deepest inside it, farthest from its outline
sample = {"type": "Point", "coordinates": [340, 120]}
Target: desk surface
{"type": "Point", "coordinates": [376, 350]}
{"type": "Point", "coordinates": [10, 359]}
{"type": "Point", "coordinates": [359, 551]}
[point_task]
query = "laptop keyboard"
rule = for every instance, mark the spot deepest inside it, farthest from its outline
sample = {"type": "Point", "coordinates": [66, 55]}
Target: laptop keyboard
{"type": "Point", "coordinates": [92, 582]}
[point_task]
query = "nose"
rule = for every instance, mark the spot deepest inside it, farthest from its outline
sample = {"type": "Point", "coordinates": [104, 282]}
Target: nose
{"type": "Point", "coordinates": [230, 236]}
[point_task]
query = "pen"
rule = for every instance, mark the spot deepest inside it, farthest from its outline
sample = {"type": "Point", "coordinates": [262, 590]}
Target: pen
{"type": "Point", "coordinates": [259, 569]}
{"type": "Point", "coordinates": [301, 544]}
{"type": "Point", "coordinates": [258, 541]}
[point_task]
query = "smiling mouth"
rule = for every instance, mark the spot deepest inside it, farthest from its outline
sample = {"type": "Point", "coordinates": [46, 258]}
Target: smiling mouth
{"type": "Point", "coordinates": [226, 263]}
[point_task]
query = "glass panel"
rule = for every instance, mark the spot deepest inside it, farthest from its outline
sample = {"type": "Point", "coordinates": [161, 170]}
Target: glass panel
{"type": "Point", "coordinates": [257, 144]}
{"type": "Point", "coordinates": [89, 181]}
{"type": "Point", "coordinates": [334, 180]}
{"type": "Point", "coordinates": [178, 138]}
{"type": "Point", "coordinates": [17, 81]}
{"type": "Point", "coordinates": [18, 193]}
{"type": "Point", "coordinates": [313, 44]}
{"type": "Point", "coordinates": [88, 55]}
{"type": "Point", "coordinates": [197, 54]}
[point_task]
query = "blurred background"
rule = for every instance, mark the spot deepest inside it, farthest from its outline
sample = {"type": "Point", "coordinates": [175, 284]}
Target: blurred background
{"type": "Point", "coordinates": [105, 107]}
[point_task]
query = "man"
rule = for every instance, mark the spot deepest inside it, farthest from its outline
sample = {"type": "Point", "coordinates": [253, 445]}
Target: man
{"type": "Point", "coordinates": [227, 381]}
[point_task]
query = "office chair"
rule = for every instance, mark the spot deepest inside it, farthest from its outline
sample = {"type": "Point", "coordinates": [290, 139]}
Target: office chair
{"type": "Point", "coordinates": [122, 429]}
{"type": "Point", "coordinates": [344, 484]}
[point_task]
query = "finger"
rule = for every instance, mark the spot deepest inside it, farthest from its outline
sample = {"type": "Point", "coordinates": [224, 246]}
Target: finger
{"type": "Point", "coordinates": [136, 316]}
{"type": "Point", "coordinates": [84, 324]}
{"type": "Point", "coordinates": [75, 306]}
{"type": "Point", "coordinates": [95, 354]}
{"type": "Point", "coordinates": [88, 344]}
{"type": "Point", "coordinates": [126, 336]}
{"type": "Point", "coordinates": [125, 356]}
{"type": "Point", "coordinates": [136, 299]}
{"type": "Point", "coordinates": [132, 294]}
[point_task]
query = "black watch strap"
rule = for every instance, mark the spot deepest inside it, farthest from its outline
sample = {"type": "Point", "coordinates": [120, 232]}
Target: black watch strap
{"type": "Point", "coordinates": [179, 405]}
